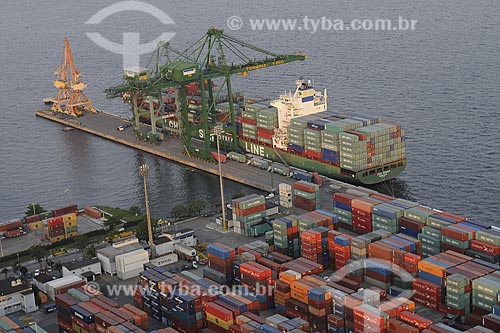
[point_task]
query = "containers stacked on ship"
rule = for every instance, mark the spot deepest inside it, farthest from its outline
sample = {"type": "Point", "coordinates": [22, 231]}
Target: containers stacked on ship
{"type": "Point", "coordinates": [286, 236]}
{"type": "Point", "coordinates": [370, 146]}
{"type": "Point", "coordinates": [306, 195]}
{"type": "Point", "coordinates": [248, 211]}
{"type": "Point", "coordinates": [249, 120]}
{"type": "Point", "coordinates": [285, 193]}
{"type": "Point", "coordinates": [220, 258]}
{"type": "Point", "coordinates": [267, 121]}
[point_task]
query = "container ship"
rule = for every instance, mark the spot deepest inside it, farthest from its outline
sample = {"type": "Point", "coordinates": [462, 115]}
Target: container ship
{"type": "Point", "coordinates": [298, 131]}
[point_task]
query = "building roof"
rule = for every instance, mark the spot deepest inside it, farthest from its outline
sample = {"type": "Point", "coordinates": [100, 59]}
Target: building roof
{"type": "Point", "coordinates": [6, 287]}
{"type": "Point", "coordinates": [63, 281]}
{"type": "Point", "coordinates": [79, 264]}
{"type": "Point", "coordinates": [43, 278]}
{"type": "Point", "coordinates": [88, 274]}
{"type": "Point", "coordinates": [111, 252]}
{"type": "Point", "coordinates": [162, 240]}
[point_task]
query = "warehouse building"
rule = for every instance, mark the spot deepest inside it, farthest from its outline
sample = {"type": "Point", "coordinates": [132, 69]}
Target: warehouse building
{"type": "Point", "coordinates": [86, 269]}
{"type": "Point", "coordinates": [107, 256]}
{"type": "Point", "coordinates": [16, 296]}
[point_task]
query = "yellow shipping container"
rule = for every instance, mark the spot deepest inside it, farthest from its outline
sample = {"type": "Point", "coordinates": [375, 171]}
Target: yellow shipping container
{"type": "Point", "coordinates": [55, 239]}
{"type": "Point", "coordinates": [72, 234]}
{"type": "Point", "coordinates": [219, 322]}
{"type": "Point", "coordinates": [35, 225]}
{"type": "Point", "coordinates": [69, 217]}
{"type": "Point", "coordinates": [69, 223]}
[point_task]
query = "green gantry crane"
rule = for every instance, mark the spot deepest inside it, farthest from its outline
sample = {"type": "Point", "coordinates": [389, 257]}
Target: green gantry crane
{"type": "Point", "coordinates": [205, 60]}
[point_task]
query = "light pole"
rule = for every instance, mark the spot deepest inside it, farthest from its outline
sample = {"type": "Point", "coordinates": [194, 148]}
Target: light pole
{"type": "Point", "coordinates": [143, 170]}
{"type": "Point", "coordinates": [217, 131]}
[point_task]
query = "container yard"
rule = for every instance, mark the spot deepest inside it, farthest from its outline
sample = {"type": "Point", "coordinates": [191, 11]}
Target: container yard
{"type": "Point", "coordinates": [323, 271]}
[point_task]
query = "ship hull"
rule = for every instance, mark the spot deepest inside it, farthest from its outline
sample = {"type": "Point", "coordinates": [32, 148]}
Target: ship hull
{"type": "Point", "coordinates": [366, 177]}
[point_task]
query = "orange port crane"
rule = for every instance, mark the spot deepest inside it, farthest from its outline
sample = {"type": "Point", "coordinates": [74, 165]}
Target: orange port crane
{"type": "Point", "coordinates": [70, 99]}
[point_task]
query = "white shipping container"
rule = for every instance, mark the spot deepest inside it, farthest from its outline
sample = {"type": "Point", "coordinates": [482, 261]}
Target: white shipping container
{"type": "Point", "coordinates": [129, 274]}
{"type": "Point", "coordinates": [167, 259]}
{"type": "Point", "coordinates": [130, 267]}
{"type": "Point", "coordinates": [131, 257]}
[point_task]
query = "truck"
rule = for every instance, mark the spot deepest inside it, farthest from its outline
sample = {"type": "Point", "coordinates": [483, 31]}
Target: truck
{"type": "Point", "coordinates": [316, 178]}
{"type": "Point", "coordinates": [218, 157]}
{"type": "Point", "coordinates": [13, 233]}
{"type": "Point", "coordinates": [260, 163]}
{"type": "Point", "coordinates": [185, 252]}
{"type": "Point", "coordinates": [302, 175]}
{"type": "Point", "coordinates": [280, 169]}
{"type": "Point", "coordinates": [260, 229]}
{"type": "Point", "coordinates": [237, 157]}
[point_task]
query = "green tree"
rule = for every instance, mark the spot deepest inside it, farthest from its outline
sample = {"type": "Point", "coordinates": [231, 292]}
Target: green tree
{"type": "Point", "coordinates": [112, 222]}
{"type": "Point", "coordinates": [58, 267]}
{"type": "Point", "coordinates": [39, 253]}
{"type": "Point", "coordinates": [90, 251]}
{"type": "Point", "coordinates": [5, 272]}
{"type": "Point", "coordinates": [81, 242]}
{"type": "Point", "coordinates": [178, 211]}
{"type": "Point", "coordinates": [141, 231]}
{"type": "Point", "coordinates": [23, 270]}
{"type": "Point", "coordinates": [196, 206]}
{"type": "Point", "coordinates": [135, 210]}
{"type": "Point", "coordinates": [33, 209]}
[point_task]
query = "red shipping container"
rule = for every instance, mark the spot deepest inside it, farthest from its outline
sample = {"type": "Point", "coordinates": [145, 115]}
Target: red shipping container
{"type": "Point", "coordinates": [55, 221]}
{"type": "Point", "coordinates": [485, 247]}
{"type": "Point", "coordinates": [311, 153]}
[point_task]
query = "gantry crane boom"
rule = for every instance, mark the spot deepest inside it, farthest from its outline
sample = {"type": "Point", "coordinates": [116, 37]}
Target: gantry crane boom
{"type": "Point", "coordinates": [70, 98]}
{"type": "Point", "coordinates": [206, 59]}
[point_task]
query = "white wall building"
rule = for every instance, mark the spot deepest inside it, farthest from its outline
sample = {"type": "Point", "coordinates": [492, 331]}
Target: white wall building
{"type": "Point", "coordinates": [16, 296]}
{"type": "Point", "coordinates": [85, 268]}
{"type": "Point", "coordinates": [107, 256]}
{"type": "Point", "coordinates": [130, 264]}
